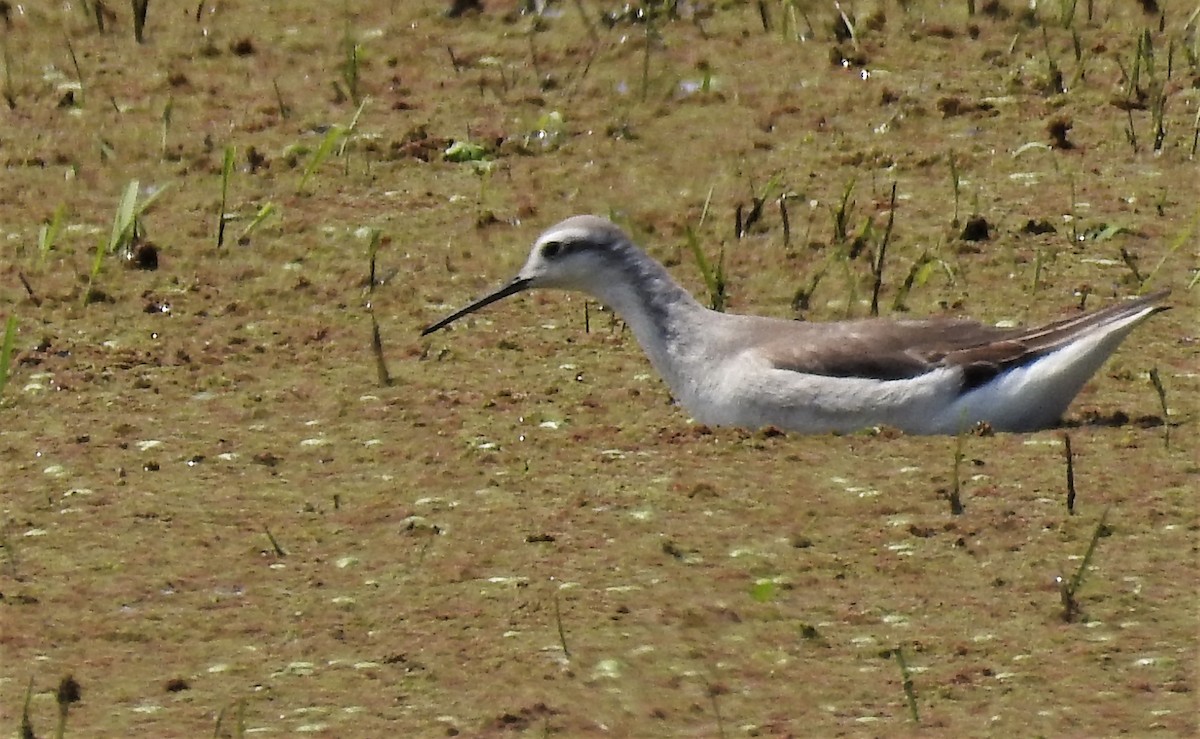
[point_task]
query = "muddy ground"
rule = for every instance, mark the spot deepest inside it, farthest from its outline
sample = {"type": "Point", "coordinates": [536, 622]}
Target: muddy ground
{"type": "Point", "coordinates": [218, 520]}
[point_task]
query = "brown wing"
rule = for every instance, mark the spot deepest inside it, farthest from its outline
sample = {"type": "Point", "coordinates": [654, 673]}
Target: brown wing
{"type": "Point", "coordinates": [894, 350]}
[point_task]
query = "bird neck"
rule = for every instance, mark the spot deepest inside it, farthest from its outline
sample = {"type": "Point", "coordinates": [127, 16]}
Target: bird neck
{"type": "Point", "coordinates": [663, 316]}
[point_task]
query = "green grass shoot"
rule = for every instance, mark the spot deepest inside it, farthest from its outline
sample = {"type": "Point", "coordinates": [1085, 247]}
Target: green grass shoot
{"type": "Point", "coordinates": [129, 211]}
{"type": "Point", "coordinates": [284, 111]}
{"type": "Point", "coordinates": [841, 214]}
{"type": "Point", "coordinates": [6, 350]}
{"type": "Point", "coordinates": [49, 231]}
{"type": "Point", "coordinates": [1195, 134]}
{"type": "Point", "coordinates": [714, 277]}
{"type": "Point", "coordinates": [1184, 237]}
{"type": "Point", "coordinates": [332, 136]}
{"type": "Point", "coordinates": [1161, 391]}
{"type": "Point", "coordinates": [125, 229]}
{"type": "Point", "coordinates": [239, 727]}
{"type": "Point", "coordinates": [562, 633]}
{"type": "Point", "coordinates": [1038, 263]}
{"type": "Point", "coordinates": [265, 212]}
{"type": "Point", "coordinates": [906, 682]}
{"type": "Point", "coordinates": [123, 220]}
{"type": "Point", "coordinates": [338, 136]}
{"type": "Point", "coordinates": [918, 274]}
{"type": "Point", "coordinates": [94, 272]}
{"type": "Point", "coordinates": [646, 47]}
{"type": "Point", "coordinates": [877, 268]}
{"type": "Point", "coordinates": [381, 368]}
{"type": "Point", "coordinates": [226, 175]}
{"type": "Point", "coordinates": [351, 127]}
{"type": "Point", "coordinates": [764, 590]}
{"type": "Point", "coordinates": [350, 68]}
{"type": "Point", "coordinates": [1068, 589]}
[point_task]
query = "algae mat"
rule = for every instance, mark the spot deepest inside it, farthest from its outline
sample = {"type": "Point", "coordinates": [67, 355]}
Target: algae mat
{"type": "Point", "coordinates": [218, 520]}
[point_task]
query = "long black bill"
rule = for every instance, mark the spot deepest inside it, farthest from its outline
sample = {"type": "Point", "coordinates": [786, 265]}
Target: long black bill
{"type": "Point", "coordinates": [517, 285]}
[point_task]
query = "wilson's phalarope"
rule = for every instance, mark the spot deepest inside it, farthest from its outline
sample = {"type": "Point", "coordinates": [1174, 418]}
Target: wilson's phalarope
{"type": "Point", "coordinates": [933, 376]}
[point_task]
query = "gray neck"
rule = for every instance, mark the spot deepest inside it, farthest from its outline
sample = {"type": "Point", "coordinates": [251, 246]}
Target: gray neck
{"type": "Point", "coordinates": [662, 315]}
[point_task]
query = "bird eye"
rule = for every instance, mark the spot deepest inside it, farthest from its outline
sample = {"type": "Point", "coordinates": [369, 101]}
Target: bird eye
{"type": "Point", "coordinates": [551, 249]}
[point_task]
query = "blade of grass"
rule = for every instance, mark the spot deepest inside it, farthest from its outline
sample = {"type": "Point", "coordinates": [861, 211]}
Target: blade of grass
{"type": "Point", "coordinates": [26, 722]}
{"type": "Point", "coordinates": [1161, 390]}
{"type": "Point", "coordinates": [714, 278]}
{"type": "Point", "coordinates": [123, 219]}
{"type": "Point", "coordinates": [1069, 589]}
{"type": "Point", "coordinates": [284, 111]}
{"type": "Point", "coordinates": [226, 174]}
{"type": "Point", "coordinates": [332, 136]}
{"type": "Point", "coordinates": [166, 126]}
{"type": "Point", "coordinates": [381, 368]}
{"type": "Point", "coordinates": [562, 634]}
{"type": "Point", "coordinates": [6, 350]}
{"type": "Point", "coordinates": [124, 229]}
{"type": "Point", "coordinates": [279, 551]}
{"type": "Point", "coordinates": [883, 244]}
{"type": "Point", "coordinates": [49, 232]}
{"type": "Point", "coordinates": [10, 92]}
{"type": "Point", "coordinates": [906, 682]}
{"type": "Point", "coordinates": [1184, 237]}
{"type": "Point", "coordinates": [352, 126]}
{"type": "Point", "coordinates": [265, 212]}
{"type": "Point", "coordinates": [955, 496]}
{"type": "Point", "coordinates": [94, 272]}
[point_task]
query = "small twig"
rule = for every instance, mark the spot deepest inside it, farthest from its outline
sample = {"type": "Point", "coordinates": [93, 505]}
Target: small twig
{"type": "Point", "coordinates": [562, 634]}
{"type": "Point", "coordinates": [68, 692]}
{"type": "Point", "coordinates": [75, 63]}
{"type": "Point", "coordinates": [1131, 262]}
{"type": "Point", "coordinates": [381, 370]}
{"type": "Point", "coordinates": [29, 289]}
{"type": "Point", "coordinates": [910, 693]}
{"type": "Point", "coordinates": [284, 111]}
{"type": "Point", "coordinates": [955, 496]}
{"type": "Point", "coordinates": [454, 60]}
{"type": "Point", "coordinates": [1159, 388]}
{"type": "Point", "coordinates": [139, 19]}
{"type": "Point", "coordinates": [10, 551]}
{"type": "Point", "coordinates": [1070, 473]}
{"type": "Point", "coordinates": [26, 722]}
{"type": "Point", "coordinates": [274, 544]}
{"type": "Point", "coordinates": [787, 225]}
{"type": "Point", "coordinates": [713, 692]}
